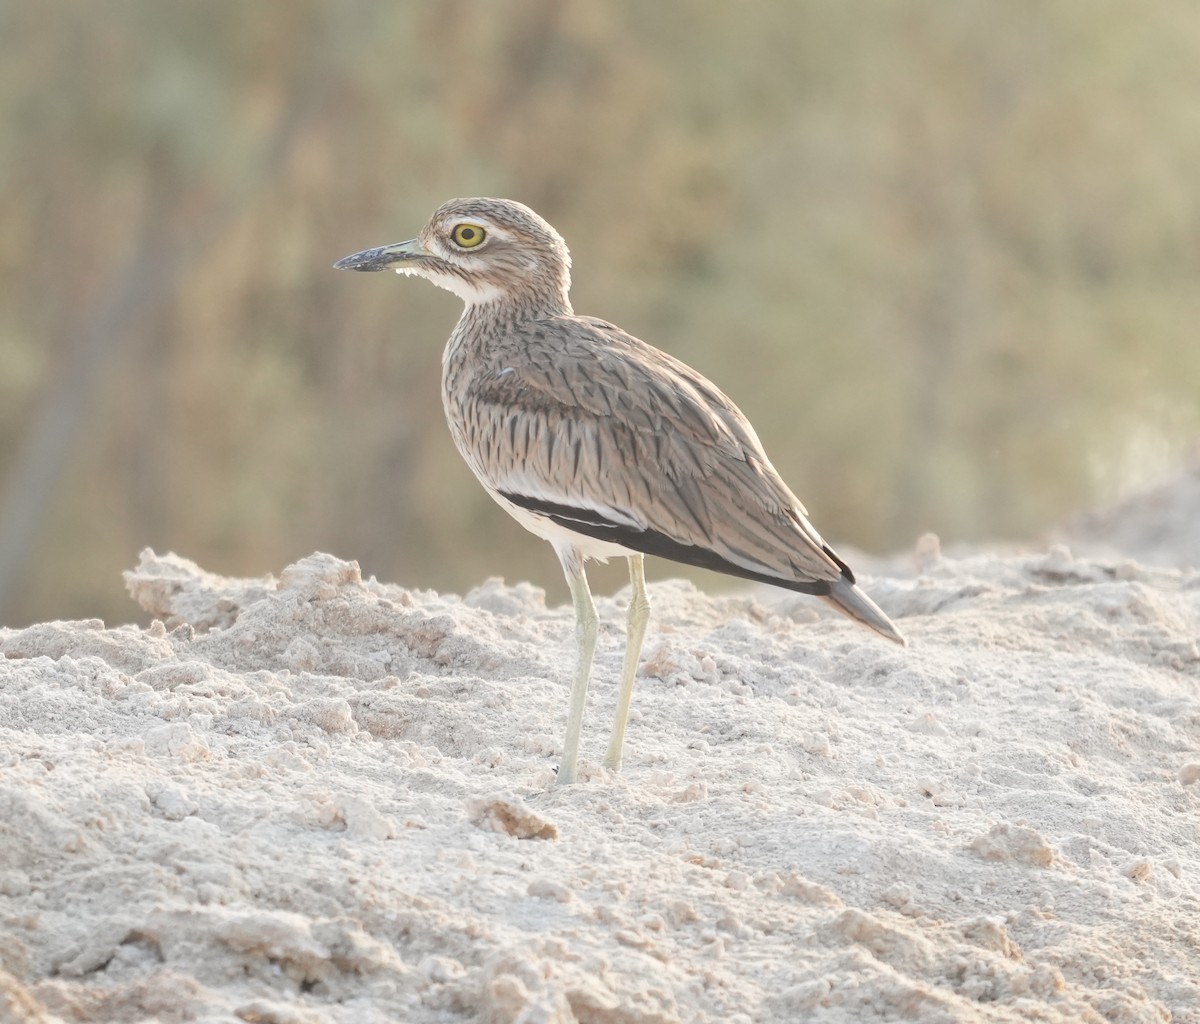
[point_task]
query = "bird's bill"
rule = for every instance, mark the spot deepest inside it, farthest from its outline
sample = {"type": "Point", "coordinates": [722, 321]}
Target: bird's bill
{"type": "Point", "coordinates": [384, 257]}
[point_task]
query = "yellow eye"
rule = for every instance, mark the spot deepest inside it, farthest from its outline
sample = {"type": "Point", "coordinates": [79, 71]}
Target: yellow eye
{"type": "Point", "coordinates": [468, 235]}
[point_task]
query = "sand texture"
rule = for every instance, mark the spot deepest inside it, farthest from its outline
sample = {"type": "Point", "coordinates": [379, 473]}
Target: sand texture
{"type": "Point", "coordinates": [320, 799]}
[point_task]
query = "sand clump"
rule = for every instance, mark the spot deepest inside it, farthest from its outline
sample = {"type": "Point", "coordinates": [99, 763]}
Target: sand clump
{"type": "Point", "coordinates": [324, 799]}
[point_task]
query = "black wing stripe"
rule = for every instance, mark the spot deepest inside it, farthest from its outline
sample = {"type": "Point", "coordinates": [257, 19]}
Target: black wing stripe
{"type": "Point", "coordinates": [572, 516]}
{"type": "Point", "coordinates": [591, 523]}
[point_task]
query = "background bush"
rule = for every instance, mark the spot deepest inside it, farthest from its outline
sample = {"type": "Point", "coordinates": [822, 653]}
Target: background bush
{"type": "Point", "coordinates": [945, 255]}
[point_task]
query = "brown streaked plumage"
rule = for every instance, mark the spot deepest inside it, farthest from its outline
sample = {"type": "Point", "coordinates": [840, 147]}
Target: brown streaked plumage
{"type": "Point", "coordinates": [599, 442]}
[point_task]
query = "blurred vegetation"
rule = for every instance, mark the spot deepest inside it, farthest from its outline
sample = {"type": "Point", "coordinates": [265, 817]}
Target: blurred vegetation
{"type": "Point", "coordinates": [945, 255]}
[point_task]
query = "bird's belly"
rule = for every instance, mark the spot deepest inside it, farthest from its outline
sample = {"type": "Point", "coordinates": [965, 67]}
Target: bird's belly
{"type": "Point", "coordinates": [475, 446]}
{"type": "Point", "coordinates": [560, 536]}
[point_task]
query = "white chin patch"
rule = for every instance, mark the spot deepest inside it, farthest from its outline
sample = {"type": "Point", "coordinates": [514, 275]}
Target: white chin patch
{"type": "Point", "coordinates": [471, 294]}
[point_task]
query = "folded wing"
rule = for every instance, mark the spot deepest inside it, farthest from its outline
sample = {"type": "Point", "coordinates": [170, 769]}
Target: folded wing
{"type": "Point", "coordinates": [607, 436]}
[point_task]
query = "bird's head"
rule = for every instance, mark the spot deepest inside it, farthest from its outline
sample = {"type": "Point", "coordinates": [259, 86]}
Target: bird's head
{"type": "Point", "coordinates": [482, 250]}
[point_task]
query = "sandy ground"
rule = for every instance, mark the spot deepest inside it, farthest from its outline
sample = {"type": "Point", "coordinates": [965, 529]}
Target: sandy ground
{"type": "Point", "coordinates": [323, 799]}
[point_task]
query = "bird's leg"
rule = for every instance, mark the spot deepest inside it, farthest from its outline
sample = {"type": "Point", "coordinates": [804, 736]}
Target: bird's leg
{"type": "Point", "coordinates": [639, 615]}
{"type": "Point", "coordinates": [586, 626]}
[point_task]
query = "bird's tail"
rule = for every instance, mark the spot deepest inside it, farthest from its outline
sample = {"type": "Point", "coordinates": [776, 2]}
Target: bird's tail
{"type": "Point", "coordinates": [852, 602]}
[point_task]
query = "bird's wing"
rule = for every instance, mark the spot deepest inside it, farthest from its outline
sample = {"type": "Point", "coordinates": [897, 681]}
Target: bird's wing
{"type": "Point", "coordinates": [610, 437]}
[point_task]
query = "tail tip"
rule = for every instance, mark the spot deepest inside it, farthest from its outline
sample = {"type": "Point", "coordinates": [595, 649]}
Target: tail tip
{"type": "Point", "coordinates": [855, 604]}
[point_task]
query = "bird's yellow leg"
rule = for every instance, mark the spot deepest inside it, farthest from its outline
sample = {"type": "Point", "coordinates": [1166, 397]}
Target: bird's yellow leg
{"type": "Point", "coordinates": [586, 627]}
{"type": "Point", "coordinates": [639, 615]}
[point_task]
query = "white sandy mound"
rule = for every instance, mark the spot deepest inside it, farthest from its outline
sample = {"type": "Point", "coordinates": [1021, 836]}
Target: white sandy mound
{"type": "Point", "coordinates": [1158, 526]}
{"type": "Point", "coordinates": [339, 806]}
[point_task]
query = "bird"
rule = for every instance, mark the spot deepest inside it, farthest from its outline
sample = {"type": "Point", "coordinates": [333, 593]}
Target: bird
{"type": "Point", "coordinates": [600, 443]}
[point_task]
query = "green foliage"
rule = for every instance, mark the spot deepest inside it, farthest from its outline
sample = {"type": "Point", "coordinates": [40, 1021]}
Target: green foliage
{"type": "Point", "coordinates": [944, 255]}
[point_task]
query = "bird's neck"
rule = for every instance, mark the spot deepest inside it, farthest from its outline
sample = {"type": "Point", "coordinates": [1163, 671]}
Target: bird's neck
{"type": "Point", "coordinates": [505, 309]}
{"type": "Point", "coordinates": [478, 336]}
